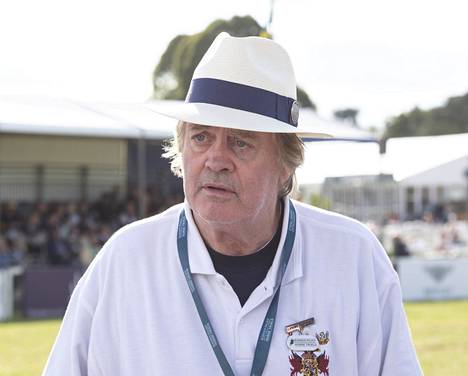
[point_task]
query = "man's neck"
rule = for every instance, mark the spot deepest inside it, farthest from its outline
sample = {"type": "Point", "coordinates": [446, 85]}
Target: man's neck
{"type": "Point", "coordinates": [240, 239]}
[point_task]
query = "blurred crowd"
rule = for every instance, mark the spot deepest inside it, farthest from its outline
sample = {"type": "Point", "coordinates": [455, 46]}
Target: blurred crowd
{"type": "Point", "coordinates": [72, 233]}
{"type": "Point", "coordinates": [430, 236]}
{"type": "Point", "coordinates": [58, 233]}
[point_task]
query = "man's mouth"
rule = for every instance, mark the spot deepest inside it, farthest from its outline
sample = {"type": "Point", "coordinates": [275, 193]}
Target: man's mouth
{"type": "Point", "coordinates": [217, 188]}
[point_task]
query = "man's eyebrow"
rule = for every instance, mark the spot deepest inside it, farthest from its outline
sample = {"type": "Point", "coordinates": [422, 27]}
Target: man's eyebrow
{"type": "Point", "coordinates": [237, 132]}
{"type": "Point", "coordinates": [198, 127]}
{"type": "Point", "coordinates": [245, 134]}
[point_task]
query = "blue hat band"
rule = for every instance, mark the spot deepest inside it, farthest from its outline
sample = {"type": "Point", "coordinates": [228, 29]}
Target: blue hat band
{"type": "Point", "coordinates": [243, 97]}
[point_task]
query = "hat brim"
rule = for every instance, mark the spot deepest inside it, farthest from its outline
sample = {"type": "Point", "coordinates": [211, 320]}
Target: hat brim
{"type": "Point", "coordinates": [214, 115]}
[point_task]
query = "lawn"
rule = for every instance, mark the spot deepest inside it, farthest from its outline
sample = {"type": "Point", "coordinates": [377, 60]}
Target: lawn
{"type": "Point", "coordinates": [24, 346]}
{"type": "Point", "coordinates": [440, 332]}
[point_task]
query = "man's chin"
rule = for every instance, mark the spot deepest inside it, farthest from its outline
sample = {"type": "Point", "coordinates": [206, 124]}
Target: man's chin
{"type": "Point", "coordinates": [217, 213]}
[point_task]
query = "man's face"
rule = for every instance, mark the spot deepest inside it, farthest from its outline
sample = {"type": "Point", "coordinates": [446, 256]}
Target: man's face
{"type": "Point", "coordinates": [231, 175]}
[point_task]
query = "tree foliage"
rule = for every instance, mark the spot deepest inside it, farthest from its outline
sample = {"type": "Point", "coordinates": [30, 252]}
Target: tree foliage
{"type": "Point", "coordinates": [304, 100]}
{"type": "Point", "coordinates": [447, 119]}
{"type": "Point", "coordinates": [172, 75]}
{"type": "Point", "coordinates": [347, 114]}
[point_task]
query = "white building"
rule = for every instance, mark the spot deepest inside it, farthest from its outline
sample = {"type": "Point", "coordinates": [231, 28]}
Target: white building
{"type": "Point", "coordinates": [428, 172]}
{"type": "Point", "coordinates": [431, 171]}
{"type": "Point", "coordinates": [445, 185]}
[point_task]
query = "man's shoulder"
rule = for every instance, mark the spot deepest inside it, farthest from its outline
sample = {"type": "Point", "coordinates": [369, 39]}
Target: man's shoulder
{"type": "Point", "coordinates": [326, 220]}
{"type": "Point", "coordinates": [350, 239]}
{"type": "Point", "coordinates": [142, 238]}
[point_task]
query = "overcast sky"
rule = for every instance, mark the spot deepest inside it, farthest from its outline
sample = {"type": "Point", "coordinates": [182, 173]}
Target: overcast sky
{"type": "Point", "coordinates": [380, 57]}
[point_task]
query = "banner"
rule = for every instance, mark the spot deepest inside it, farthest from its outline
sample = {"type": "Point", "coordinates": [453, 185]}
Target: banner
{"type": "Point", "coordinates": [47, 290]}
{"type": "Point", "coordinates": [439, 279]}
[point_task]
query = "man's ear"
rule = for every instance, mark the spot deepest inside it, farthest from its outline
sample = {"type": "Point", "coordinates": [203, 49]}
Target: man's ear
{"type": "Point", "coordinates": [284, 178]}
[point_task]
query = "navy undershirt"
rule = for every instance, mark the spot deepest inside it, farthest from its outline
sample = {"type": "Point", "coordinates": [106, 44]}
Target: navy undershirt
{"type": "Point", "coordinates": [245, 273]}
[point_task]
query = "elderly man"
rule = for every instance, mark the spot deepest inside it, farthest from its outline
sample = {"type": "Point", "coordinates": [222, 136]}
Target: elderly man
{"type": "Point", "coordinates": [239, 279]}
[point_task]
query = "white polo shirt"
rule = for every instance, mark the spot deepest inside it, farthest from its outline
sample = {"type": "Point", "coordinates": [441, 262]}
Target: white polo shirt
{"type": "Point", "coordinates": [132, 313]}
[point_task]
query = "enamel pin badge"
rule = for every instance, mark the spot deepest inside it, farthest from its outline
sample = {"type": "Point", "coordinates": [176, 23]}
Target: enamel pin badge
{"type": "Point", "coordinates": [308, 355]}
{"type": "Point", "coordinates": [299, 326]}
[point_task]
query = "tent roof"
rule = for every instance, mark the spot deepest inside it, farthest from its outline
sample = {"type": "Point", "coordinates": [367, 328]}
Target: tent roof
{"type": "Point", "coordinates": [409, 156]}
{"type": "Point", "coordinates": [342, 131]}
{"type": "Point", "coordinates": [75, 118]}
{"type": "Point", "coordinates": [411, 160]}
{"type": "Point", "coordinates": [449, 173]}
{"type": "Point", "coordinates": [51, 116]}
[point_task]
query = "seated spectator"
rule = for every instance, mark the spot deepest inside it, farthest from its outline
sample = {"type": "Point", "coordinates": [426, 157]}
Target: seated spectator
{"type": "Point", "coordinates": [400, 249]}
{"type": "Point", "coordinates": [9, 256]}
{"type": "Point", "coordinates": [70, 233]}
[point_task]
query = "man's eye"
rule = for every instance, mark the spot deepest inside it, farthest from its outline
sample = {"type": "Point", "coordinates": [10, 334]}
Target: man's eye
{"type": "Point", "coordinates": [241, 144]}
{"type": "Point", "coordinates": [199, 137]}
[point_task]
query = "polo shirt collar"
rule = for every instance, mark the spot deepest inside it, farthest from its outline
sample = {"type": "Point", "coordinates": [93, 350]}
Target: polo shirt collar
{"type": "Point", "coordinates": [199, 258]}
{"type": "Point", "coordinates": [201, 263]}
{"type": "Point", "coordinates": [294, 268]}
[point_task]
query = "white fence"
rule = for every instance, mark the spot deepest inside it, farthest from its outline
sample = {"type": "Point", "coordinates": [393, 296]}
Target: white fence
{"type": "Point", "coordinates": [7, 296]}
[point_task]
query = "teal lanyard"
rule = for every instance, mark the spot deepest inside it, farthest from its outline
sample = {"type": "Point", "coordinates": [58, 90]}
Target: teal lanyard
{"type": "Point", "coordinates": [266, 333]}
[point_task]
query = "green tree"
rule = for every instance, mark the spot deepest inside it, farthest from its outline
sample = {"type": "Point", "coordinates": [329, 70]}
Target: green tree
{"type": "Point", "coordinates": [347, 114]}
{"type": "Point", "coordinates": [450, 118]}
{"type": "Point", "coordinates": [172, 75]}
{"type": "Point", "coordinates": [304, 100]}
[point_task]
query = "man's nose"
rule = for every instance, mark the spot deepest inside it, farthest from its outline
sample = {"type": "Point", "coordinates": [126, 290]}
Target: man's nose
{"type": "Point", "coordinates": [219, 157]}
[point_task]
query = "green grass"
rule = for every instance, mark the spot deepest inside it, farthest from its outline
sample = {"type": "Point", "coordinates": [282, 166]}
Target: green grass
{"type": "Point", "coordinates": [440, 333]}
{"type": "Point", "coordinates": [24, 346]}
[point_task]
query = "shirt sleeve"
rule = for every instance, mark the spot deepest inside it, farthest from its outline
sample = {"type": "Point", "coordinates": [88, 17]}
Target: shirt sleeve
{"type": "Point", "coordinates": [398, 354]}
{"type": "Point", "coordinates": [384, 342]}
{"type": "Point", "coordinates": [69, 354]}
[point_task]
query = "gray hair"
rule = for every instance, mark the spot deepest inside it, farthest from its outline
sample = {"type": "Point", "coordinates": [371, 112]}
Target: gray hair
{"type": "Point", "coordinates": [291, 154]}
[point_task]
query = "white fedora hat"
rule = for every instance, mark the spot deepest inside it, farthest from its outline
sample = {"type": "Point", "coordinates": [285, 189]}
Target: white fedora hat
{"type": "Point", "coordinates": [243, 83]}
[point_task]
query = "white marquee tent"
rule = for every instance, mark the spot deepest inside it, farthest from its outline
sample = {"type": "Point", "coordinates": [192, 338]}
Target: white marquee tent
{"type": "Point", "coordinates": [410, 156]}
{"type": "Point", "coordinates": [33, 115]}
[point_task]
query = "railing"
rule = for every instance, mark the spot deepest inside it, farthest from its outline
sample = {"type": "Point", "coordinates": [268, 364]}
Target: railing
{"type": "Point", "coordinates": [24, 182]}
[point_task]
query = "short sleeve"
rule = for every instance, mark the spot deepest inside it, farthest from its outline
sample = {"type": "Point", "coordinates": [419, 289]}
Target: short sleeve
{"type": "Point", "coordinates": [384, 342]}
{"type": "Point", "coordinates": [69, 354]}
